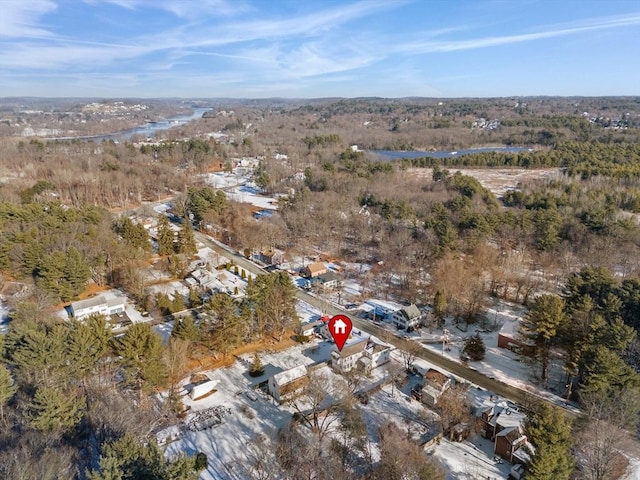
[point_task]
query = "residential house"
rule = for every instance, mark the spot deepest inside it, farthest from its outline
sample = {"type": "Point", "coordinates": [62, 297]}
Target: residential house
{"type": "Point", "coordinates": [350, 357]}
{"type": "Point", "coordinates": [271, 257]}
{"type": "Point", "coordinates": [435, 384]}
{"type": "Point", "coordinates": [377, 353]}
{"type": "Point", "coordinates": [99, 304]}
{"type": "Point", "coordinates": [505, 426]}
{"type": "Point", "coordinates": [328, 280]}
{"type": "Point", "coordinates": [205, 279]}
{"type": "Point", "coordinates": [287, 385]}
{"type": "Point", "coordinates": [509, 337]}
{"type": "Point", "coordinates": [408, 318]}
{"type": "Point", "coordinates": [314, 269]}
{"type": "Point", "coordinates": [308, 329]}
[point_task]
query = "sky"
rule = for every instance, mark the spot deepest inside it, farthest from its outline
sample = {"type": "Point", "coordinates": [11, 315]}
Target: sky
{"type": "Point", "coordinates": [318, 48]}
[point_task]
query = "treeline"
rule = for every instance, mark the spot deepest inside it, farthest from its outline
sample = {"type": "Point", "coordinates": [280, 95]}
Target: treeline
{"type": "Point", "coordinates": [595, 321]}
{"type": "Point", "coordinates": [73, 399]}
{"type": "Point", "coordinates": [585, 159]}
{"type": "Point", "coordinates": [555, 122]}
{"type": "Point", "coordinates": [321, 140]}
{"type": "Point", "coordinates": [59, 247]}
{"type": "Point", "coordinates": [598, 201]}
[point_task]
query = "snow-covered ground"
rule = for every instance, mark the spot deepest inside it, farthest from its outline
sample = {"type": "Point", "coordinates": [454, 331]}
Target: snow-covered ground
{"type": "Point", "coordinates": [469, 460]}
{"type": "Point", "coordinates": [249, 421]}
{"type": "Point", "coordinates": [4, 317]}
{"type": "Point", "coordinates": [164, 329]}
{"type": "Point", "coordinates": [169, 288]}
{"type": "Point", "coordinates": [225, 180]}
{"type": "Point", "coordinates": [239, 188]}
{"type": "Point", "coordinates": [307, 313]}
{"type": "Point", "coordinates": [250, 194]}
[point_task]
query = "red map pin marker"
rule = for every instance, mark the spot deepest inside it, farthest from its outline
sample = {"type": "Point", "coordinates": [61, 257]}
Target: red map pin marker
{"type": "Point", "coordinates": [340, 328]}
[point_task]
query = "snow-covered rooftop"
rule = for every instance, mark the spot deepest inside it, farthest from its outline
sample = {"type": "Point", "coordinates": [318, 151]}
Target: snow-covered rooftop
{"type": "Point", "coordinates": [290, 375]}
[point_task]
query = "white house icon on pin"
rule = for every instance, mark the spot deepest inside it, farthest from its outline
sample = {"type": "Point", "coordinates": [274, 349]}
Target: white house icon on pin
{"type": "Point", "coordinates": [339, 327]}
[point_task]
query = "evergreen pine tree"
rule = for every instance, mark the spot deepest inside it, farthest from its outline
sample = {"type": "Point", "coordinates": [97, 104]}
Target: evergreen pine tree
{"type": "Point", "coordinates": [271, 298]}
{"type": "Point", "coordinates": [187, 239]}
{"type": "Point", "coordinates": [164, 304]}
{"type": "Point", "coordinates": [86, 343]}
{"type": "Point", "coordinates": [76, 272]}
{"type": "Point", "coordinates": [165, 237]}
{"type": "Point", "coordinates": [186, 328]}
{"type": "Point", "coordinates": [256, 368]}
{"type": "Point", "coordinates": [549, 431]}
{"type": "Point", "coordinates": [177, 305]}
{"type": "Point", "coordinates": [439, 307]}
{"type": "Point", "coordinates": [141, 352]}
{"type": "Point", "coordinates": [52, 409]}
{"type": "Point", "coordinates": [541, 325]}
{"type": "Point", "coordinates": [474, 348]}
{"type": "Point", "coordinates": [195, 299]}
{"type": "Point", "coordinates": [51, 273]}
{"type": "Point", "coordinates": [126, 459]}
{"type": "Point", "coordinates": [7, 389]}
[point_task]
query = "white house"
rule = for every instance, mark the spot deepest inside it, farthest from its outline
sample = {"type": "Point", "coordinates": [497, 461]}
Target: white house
{"type": "Point", "coordinates": [348, 357]}
{"type": "Point", "coordinates": [435, 384]}
{"type": "Point", "coordinates": [377, 353]}
{"type": "Point", "coordinates": [408, 317]}
{"type": "Point", "coordinates": [287, 385]}
{"type": "Point", "coordinates": [328, 279]}
{"type": "Point", "coordinates": [100, 305]}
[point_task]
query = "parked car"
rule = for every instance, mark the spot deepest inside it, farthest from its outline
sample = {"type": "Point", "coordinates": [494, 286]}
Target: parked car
{"type": "Point", "coordinates": [251, 395]}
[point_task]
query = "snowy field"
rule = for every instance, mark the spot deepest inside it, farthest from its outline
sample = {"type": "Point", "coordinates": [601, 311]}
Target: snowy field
{"type": "Point", "coordinates": [250, 194]}
{"type": "Point", "coordinates": [496, 180]}
{"type": "Point", "coordinates": [240, 188]}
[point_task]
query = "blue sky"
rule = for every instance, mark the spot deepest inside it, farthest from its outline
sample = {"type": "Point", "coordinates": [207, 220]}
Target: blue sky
{"type": "Point", "coordinates": [309, 48]}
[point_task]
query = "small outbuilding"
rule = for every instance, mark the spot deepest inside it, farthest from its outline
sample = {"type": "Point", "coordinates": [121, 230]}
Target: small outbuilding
{"type": "Point", "coordinates": [289, 384]}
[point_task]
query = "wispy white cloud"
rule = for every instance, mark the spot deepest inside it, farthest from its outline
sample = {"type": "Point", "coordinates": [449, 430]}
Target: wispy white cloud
{"type": "Point", "coordinates": [189, 9]}
{"type": "Point", "coordinates": [208, 42]}
{"type": "Point", "coordinates": [495, 41]}
{"type": "Point", "coordinates": [64, 53]}
{"type": "Point", "coordinates": [21, 18]}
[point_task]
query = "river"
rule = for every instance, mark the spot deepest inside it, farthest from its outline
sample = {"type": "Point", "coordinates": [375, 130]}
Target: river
{"type": "Point", "coordinates": [397, 155]}
{"type": "Point", "coordinates": [147, 130]}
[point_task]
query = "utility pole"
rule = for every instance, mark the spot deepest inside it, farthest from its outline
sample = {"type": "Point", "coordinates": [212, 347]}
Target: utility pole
{"type": "Point", "coordinates": [445, 338]}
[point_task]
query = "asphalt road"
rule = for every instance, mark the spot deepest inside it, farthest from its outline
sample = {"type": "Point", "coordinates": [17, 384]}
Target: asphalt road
{"type": "Point", "coordinates": [515, 394]}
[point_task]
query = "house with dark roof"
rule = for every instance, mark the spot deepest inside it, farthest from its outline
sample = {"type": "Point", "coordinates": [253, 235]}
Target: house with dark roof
{"type": "Point", "coordinates": [271, 257]}
{"type": "Point", "coordinates": [328, 280]}
{"type": "Point", "coordinates": [408, 317]}
{"type": "Point", "coordinates": [509, 337]}
{"type": "Point", "coordinates": [309, 328]}
{"type": "Point", "coordinates": [505, 426]}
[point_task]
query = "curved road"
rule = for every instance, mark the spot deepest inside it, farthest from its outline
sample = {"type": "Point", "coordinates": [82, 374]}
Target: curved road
{"type": "Point", "coordinates": [518, 395]}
